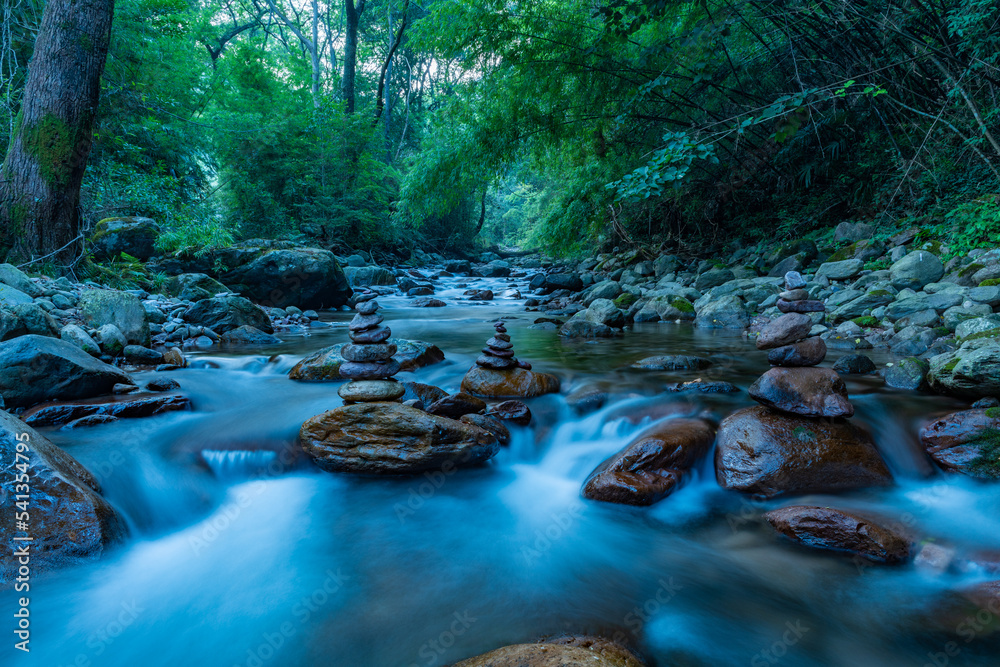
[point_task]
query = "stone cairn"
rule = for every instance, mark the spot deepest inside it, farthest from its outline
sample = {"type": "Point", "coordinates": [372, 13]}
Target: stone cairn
{"type": "Point", "coordinates": [368, 358]}
{"type": "Point", "coordinates": [498, 355]}
{"type": "Point", "coordinates": [793, 385]}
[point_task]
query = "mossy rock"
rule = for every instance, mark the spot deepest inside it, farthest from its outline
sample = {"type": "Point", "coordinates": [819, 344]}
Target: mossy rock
{"type": "Point", "coordinates": [132, 236]}
{"type": "Point", "coordinates": [990, 283]}
{"type": "Point", "coordinates": [971, 270]}
{"type": "Point", "coordinates": [625, 300]}
{"type": "Point", "coordinates": [866, 321]}
{"type": "Point", "coordinates": [844, 253]}
{"type": "Point", "coordinates": [682, 304]}
{"type": "Point", "coordinates": [991, 333]}
{"type": "Point", "coordinates": [880, 292]}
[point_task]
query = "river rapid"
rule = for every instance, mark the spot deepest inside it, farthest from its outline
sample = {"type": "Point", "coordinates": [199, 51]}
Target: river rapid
{"type": "Point", "coordinates": [244, 554]}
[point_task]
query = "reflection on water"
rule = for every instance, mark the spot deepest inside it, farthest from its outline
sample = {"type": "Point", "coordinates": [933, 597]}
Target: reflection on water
{"type": "Point", "coordinates": [244, 554]}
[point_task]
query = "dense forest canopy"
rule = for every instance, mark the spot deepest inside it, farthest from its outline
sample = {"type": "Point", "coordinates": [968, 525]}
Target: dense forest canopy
{"type": "Point", "coordinates": [563, 125]}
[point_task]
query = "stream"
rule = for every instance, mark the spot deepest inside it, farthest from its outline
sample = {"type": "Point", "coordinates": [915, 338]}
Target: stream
{"type": "Point", "coordinates": [244, 554]}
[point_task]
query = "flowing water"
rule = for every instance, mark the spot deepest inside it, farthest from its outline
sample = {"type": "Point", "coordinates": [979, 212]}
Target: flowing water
{"type": "Point", "coordinates": [244, 554]}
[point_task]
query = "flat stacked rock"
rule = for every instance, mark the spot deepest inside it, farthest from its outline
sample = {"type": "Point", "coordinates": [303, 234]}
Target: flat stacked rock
{"type": "Point", "coordinates": [498, 355]}
{"type": "Point", "coordinates": [369, 362]}
{"type": "Point", "coordinates": [783, 446]}
{"type": "Point", "coordinates": [793, 385]}
{"type": "Point", "coordinates": [499, 374]}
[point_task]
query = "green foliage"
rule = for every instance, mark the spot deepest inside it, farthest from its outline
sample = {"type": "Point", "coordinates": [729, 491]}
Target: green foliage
{"type": "Point", "coordinates": [976, 224]}
{"type": "Point", "coordinates": [866, 321]}
{"type": "Point", "coordinates": [123, 272]}
{"type": "Point", "coordinates": [669, 164]}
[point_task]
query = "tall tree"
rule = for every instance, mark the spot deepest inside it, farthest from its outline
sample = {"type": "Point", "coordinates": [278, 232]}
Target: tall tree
{"type": "Point", "coordinates": [41, 174]}
{"type": "Point", "coordinates": [353, 11]}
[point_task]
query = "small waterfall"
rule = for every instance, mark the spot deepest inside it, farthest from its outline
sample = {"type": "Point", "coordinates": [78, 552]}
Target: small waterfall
{"type": "Point", "coordinates": [237, 463]}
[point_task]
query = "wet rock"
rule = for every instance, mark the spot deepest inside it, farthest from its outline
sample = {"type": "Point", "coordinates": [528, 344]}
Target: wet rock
{"type": "Point", "coordinates": [32, 319]}
{"type": "Point", "coordinates": [99, 307]}
{"type": "Point", "coordinates": [129, 406]}
{"type": "Point", "coordinates": [89, 420]}
{"type": "Point", "coordinates": [388, 438]}
{"type": "Point", "coordinates": [142, 356]}
{"type": "Point", "coordinates": [10, 296]}
{"type": "Point", "coordinates": [371, 391]}
{"type": "Point", "coordinates": [806, 306]}
{"type": "Point", "coordinates": [604, 311]}
{"type": "Point", "coordinates": [727, 312]}
{"type": "Point", "coordinates": [581, 328]}
{"type": "Point", "coordinates": [324, 365]}
{"type": "Point", "coordinates": [703, 386]}
{"type": "Point", "coordinates": [836, 530]}
{"type": "Point", "coordinates": [511, 383]}
{"type": "Point", "coordinates": [37, 368]}
{"type": "Point", "coordinates": [713, 278]}
{"type": "Point", "coordinates": [225, 313]}
{"type": "Point", "coordinates": [853, 232]}
{"type": "Point", "coordinates": [428, 303]}
{"type": "Point", "coordinates": [456, 405]}
{"type": "Point", "coordinates": [651, 466]}
{"type": "Point", "coordinates": [489, 424]}
{"type": "Point", "coordinates": [567, 281]}
{"type": "Point", "coordinates": [425, 393]}
{"type": "Point", "coordinates": [14, 277]}
{"type": "Point", "coordinates": [74, 334]}
{"type": "Point", "coordinates": [458, 266]}
{"type": "Point", "coordinates": [558, 652]}
{"type": "Point", "coordinates": [514, 412]}
{"type": "Point", "coordinates": [967, 442]}
{"type": "Point", "coordinates": [808, 352]}
{"type": "Point", "coordinates": [812, 392]}
{"type": "Point", "coordinates": [248, 335]}
{"type": "Point", "coordinates": [673, 362]}
{"type": "Point", "coordinates": [175, 357]}
{"type": "Point", "coordinates": [843, 270]}
{"type": "Point", "coordinates": [854, 364]}
{"type": "Point", "coordinates": [762, 451]}
{"type": "Point", "coordinates": [163, 384]}
{"type": "Point", "coordinates": [606, 289]}
{"type": "Point", "coordinates": [132, 236]}
{"type": "Point", "coordinates": [70, 521]}
{"type": "Point", "coordinates": [909, 373]}
{"type": "Point", "coordinates": [301, 277]}
{"type": "Point", "coordinates": [784, 330]}
{"type": "Point", "coordinates": [193, 287]}
{"type": "Point", "coordinates": [971, 371]}
{"type": "Point", "coordinates": [916, 269]}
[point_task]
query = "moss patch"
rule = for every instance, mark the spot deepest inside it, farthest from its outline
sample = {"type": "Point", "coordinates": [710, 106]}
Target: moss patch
{"type": "Point", "coordinates": [682, 305]}
{"type": "Point", "coordinates": [987, 462]}
{"type": "Point", "coordinates": [950, 366]}
{"type": "Point", "coordinates": [880, 292]}
{"type": "Point", "coordinates": [866, 321]}
{"type": "Point", "coordinates": [51, 142]}
{"type": "Point", "coordinates": [990, 333]}
{"type": "Point", "coordinates": [844, 253]}
{"type": "Point", "coordinates": [990, 283]}
{"type": "Point", "coordinates": [626, 300]}
{"type": "Point", "coordinates": [969, 270]}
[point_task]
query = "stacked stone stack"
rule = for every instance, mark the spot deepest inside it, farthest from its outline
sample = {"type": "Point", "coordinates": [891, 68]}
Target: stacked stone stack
{"type": "Point", "coordinates": [498, 355]}
{"type": "Point", "coordinates": [368, 359]}
{"type": "Point", "coordinates": [499, 374]}
{"type": "Point", "coordinates": [794, 385]}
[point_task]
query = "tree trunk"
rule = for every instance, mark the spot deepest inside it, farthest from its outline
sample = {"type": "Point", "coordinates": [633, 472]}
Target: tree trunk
{"type": "Point", "coordinates": [353, 14]}
{"type": "Point", "coordinates": [41, 175]}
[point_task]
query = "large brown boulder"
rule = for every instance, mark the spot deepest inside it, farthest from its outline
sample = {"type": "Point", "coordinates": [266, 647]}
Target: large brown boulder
{"type": "Point", "coordinates": [324, 365]}
{"type": "Point", "coordinates": [510, 383]}
{"type": "Point", "coordinates": [389, 438]}
{"type": "Point", "coordinates": [69, 520]}
{"type": "Point", "coordinates": [768, 453]}
{"type": "Point", "coordinates": [813, 392]}
{"type": "Point", "coordinates": [837, 530]}
{"type": "Point", "coordinates": [558, 652]}
{"type": "Point", "coordinates": [967, 442]}
{"type": "Point", "coordinates": [650, 467]}
{"type": "Point", "coordinates": [784, 330]}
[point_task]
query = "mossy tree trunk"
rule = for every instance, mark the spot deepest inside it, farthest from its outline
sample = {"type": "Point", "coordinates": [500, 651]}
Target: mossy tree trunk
{"type": "Point", "coordinates": [42, 172]}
